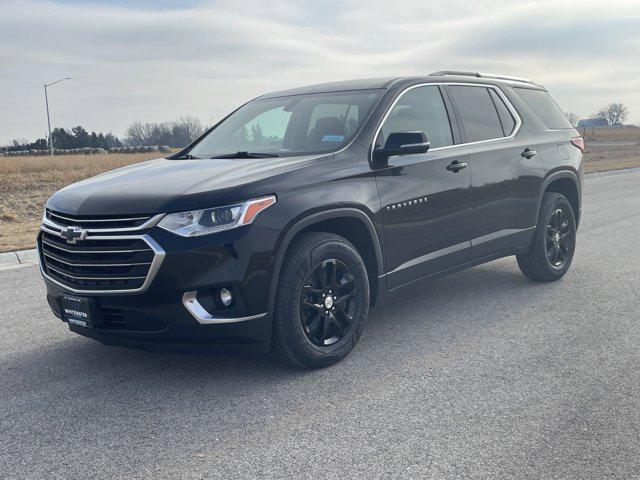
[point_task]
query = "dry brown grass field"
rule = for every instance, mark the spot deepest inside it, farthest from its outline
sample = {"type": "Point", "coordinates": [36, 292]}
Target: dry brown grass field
{"type": "Point", "coordinates": [611, 134]}
{"type": "Point", "coordinates": [611, 148]}
{"type": "Point", "coordinates": [27, 182]}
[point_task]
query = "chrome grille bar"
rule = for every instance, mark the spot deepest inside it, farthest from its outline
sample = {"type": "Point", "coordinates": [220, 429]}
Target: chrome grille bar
{"type": "Point", "coordinates": [91, 278]}
{"type": "Point", "coordinates": [107, 225]}
{"type": "Point", "coordinates": [57, 259]}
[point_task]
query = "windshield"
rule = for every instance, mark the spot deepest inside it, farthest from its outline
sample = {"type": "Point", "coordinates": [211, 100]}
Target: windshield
{"type": "Point", "coordinates": [286, 126]}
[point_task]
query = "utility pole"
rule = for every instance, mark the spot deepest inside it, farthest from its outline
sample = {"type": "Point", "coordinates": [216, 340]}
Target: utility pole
{"type": "Point", "coordinates": [46, 101]}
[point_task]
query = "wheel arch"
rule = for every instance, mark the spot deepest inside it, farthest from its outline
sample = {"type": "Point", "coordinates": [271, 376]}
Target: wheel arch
{"type": "Point", "coordinates": [348, 222]}
{"type": "Point", "coordinates": [565, 182]}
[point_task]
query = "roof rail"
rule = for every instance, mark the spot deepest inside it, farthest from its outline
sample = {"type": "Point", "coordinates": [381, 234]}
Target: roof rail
{"type": "Point", "coordinates": [482, 75]}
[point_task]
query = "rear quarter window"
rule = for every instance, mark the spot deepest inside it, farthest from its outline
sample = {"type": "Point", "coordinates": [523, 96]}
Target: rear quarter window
{"type": "Point", "coordinates": [506, 119]}
{"type": "Point", "coordinates": [544, 107]}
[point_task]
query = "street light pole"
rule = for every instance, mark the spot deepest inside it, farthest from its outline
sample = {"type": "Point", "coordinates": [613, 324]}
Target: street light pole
{"type": "Point", "coordinates": [46, 101]}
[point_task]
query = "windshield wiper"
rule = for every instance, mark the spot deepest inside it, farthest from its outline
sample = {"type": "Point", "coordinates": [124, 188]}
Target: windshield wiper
{"type": "Point", "coordinates": [247, 155]}
{"type": "Point", "coordinates": [187, 156]}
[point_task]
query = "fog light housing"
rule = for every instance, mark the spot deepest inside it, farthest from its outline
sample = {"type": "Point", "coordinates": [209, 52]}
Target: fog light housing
{"type": "Point", "coordinates": [226, 297]}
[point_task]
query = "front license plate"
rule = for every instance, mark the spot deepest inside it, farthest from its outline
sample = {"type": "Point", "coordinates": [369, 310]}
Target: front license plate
{"type": "Point", "coordinates": [76, 310]}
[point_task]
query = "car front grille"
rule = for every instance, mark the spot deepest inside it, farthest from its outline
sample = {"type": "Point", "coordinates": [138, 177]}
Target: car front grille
{"type": "Point", "coordinates": [120, 222]}
{"type": "Point", "coordinates": [103, 260]}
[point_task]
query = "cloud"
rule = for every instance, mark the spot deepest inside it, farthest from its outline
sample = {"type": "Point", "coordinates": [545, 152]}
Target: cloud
{"type": "Point", "coordinates": [203, 58]}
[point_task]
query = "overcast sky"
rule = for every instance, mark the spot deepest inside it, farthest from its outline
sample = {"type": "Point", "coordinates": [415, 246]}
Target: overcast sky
{"type": "Point", "coordinates": [156, 60]}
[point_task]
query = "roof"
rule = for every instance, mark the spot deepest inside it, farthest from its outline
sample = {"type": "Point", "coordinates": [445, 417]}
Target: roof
{"type": "Point", "coordinates": [346, 85]}
{"type": "Point", "coordinates": [388, 82]}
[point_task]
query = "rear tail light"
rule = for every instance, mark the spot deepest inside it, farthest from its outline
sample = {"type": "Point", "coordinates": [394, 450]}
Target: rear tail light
{"type": "Point", "coordinates": [578, 142]}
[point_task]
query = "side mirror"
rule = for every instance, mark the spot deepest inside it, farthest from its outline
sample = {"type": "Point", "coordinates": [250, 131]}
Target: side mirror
{"type": "Point", "coordinates": [401, 143]}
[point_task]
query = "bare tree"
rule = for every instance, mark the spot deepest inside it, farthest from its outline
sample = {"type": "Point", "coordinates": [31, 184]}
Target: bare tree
{"type": "Point", "coordinates": [136, 134]}
{"type": "Point", "coordinates": [175, 134]}
{"type": "Point", "coordinates": [572, 117]}
{"type": "Point", "coordinates": [20, 142]}
{"type": "Point", "coordinates": [185, 130]}
{"type": "Point", "coordinates": [614, 113]}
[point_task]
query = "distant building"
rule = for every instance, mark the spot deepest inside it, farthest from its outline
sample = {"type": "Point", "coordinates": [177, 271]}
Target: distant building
{"type": "Point", "coordinates": [593, 123]}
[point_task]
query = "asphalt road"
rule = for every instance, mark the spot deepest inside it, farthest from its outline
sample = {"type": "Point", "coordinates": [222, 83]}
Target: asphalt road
{"type": "Point", "coordinates": [481, 374]}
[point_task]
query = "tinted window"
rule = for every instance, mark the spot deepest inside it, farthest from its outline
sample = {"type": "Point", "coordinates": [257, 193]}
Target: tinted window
{"type": "Point", "coordinates": [419, 109]}
{"type": "Point", "coordinates": [265, 132]}
{"type": "Point", "coordinates": [479, 115]}
{"type": "Point", "coordinates": [346, 113]}
{"type": "Point", "coordinates": [293, 125]}
{"type": "Point", "coordinates": [544, 107]}
{"type": "Point", "coordinates": [506, 119]}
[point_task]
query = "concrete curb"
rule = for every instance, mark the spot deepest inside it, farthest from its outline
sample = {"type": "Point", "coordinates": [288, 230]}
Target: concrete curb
{"type": "Point", "coordinates": [21, 258]}
{"type": "Point", "coordinates": [610, 173]}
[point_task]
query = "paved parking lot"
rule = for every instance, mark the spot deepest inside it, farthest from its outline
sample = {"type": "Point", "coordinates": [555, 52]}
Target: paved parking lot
{"type": "Point", "coordinates": [481, 374]}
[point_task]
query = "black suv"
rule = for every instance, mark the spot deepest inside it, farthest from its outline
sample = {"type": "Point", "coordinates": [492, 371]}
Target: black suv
{"type": "Point", "coordinates": [285, 222]}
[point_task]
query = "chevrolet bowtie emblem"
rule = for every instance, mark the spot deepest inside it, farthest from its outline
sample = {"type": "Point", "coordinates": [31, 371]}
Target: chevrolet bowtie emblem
{"type": "Point", "coordinates": [73, 234]}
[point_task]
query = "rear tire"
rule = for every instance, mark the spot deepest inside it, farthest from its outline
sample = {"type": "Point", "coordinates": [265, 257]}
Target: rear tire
{"type": "Point", "coordinates": [322, 301]}
{"type": "Point", "coordinates": [554, 242]}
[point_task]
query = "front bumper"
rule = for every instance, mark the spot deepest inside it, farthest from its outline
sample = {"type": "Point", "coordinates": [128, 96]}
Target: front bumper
{"type": "Point", "coordinates": [168, 316]}
{"type": "Point", "coordinates": [250, 336]}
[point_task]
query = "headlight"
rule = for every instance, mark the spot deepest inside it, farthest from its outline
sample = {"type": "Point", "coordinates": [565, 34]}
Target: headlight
{"type": "Point", "coordinates": [211, 220]}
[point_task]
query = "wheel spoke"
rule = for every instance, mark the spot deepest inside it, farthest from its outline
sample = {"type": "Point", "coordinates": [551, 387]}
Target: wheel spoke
{"type": "Point", "coordinates": [343, 314]}
{"type": "Point", "coordinates": [311, 306]}
{"type": "Point", "coordinates": [331, 268]}
{"type": "Point", "coordinates": [338, 328]}
{"type": "Point", "coordinates": [313, 325]}
{"type": "Point", "coordinates": [325, 328]}
{"type": "Point", "coordinates": [310, 290]}
{"type": "Point", "coordinates": [560, 219]}
{"type": "Point", "coordinates": [349, 281]}
{"type": "Point", "coordinates": [344, 298]}
{"type": "Point", "coordinates": [319, 276]}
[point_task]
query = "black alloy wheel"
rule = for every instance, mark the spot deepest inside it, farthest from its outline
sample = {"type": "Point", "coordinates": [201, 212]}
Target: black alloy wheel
{"type": "Point", "coordinates": [328, 302]}
{"type": "Point", "coordinates": [559, 239]}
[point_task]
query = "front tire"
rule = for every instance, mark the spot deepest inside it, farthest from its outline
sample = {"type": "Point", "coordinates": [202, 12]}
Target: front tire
{"type": "Point", "coordinates": [322, 301]}
{"type": "Point", "coordinates": [554, 243]}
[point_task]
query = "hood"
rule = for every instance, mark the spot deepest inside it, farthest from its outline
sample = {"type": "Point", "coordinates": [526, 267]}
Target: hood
{"type": "Point", "coordinates": [163, 185]}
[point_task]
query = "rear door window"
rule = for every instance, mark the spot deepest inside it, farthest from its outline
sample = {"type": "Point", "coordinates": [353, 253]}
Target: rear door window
{"type": "Point", "coordinates": [544, 107]}
{"type": "Point", "coordinates": [478, 112]}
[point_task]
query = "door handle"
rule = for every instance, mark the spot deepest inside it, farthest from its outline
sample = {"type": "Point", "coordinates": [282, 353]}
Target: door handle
{"type": "Point", "coordinates": [456, 166]}
{"type": "Point", "coordinates": [528, 153]}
